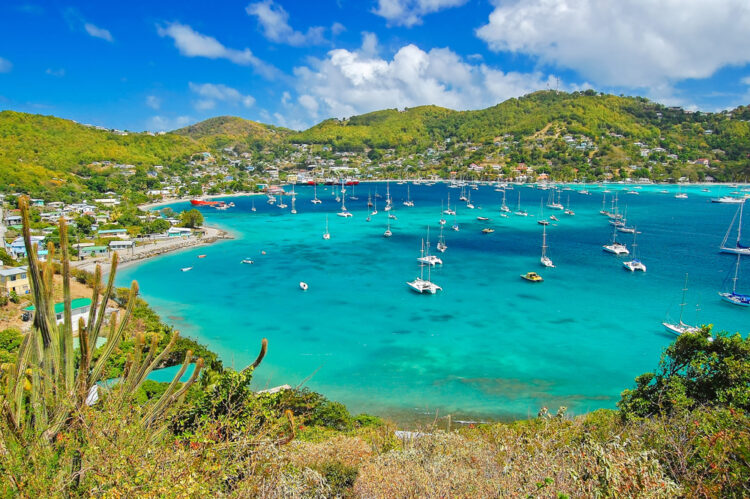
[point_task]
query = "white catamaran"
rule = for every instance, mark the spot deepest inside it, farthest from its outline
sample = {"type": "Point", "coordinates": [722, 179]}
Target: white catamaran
{"type": "Point", "coordinates": [635, 263]}
{"type": "Point", "coordinates": [420, 285]}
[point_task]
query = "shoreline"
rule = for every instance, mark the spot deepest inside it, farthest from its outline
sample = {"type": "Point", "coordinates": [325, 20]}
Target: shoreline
{"type": "Point", "coordinates": [155, 204]}
{"type": "Point", "coordinates": [149, 252]}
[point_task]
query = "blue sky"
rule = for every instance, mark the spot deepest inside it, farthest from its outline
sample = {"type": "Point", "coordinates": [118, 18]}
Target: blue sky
{"type": "Point", "coordinates": [162, 65]}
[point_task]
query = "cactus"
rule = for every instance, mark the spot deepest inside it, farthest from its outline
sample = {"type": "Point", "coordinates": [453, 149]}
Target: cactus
{"type": "Point", "coordinates": [46, 388]}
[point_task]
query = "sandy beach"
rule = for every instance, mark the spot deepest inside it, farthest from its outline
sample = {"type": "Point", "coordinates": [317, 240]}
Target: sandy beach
{"type": "Point", "coordinates": [153, 249]}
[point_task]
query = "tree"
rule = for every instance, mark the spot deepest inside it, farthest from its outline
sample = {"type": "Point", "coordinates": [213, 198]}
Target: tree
{"type": "Point", "coordinates": [696, 370]}
{"type": "Point", "coordinates": [157, 225]}
{"type": "Point", "coordinates": [191, 218]}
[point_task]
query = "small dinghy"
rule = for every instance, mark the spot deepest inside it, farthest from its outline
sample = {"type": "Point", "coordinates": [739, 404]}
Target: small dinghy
{"type": "Point", "coordinates": [303, 285]}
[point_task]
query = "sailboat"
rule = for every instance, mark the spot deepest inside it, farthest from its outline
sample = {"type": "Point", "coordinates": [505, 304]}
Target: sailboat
{"type": "Point", "coordinates": [448, 210]}
{"type": "Point", "coordinates": [680, 327]}
{"type": "Point", "coordinates": [344, 212]}
{"type": "Point", "coordinates": [546, 261]}
{"type": "Point", "coordinates": [352, 197]}
{"type": "Point", "coordinates": [622, 224]}
{"type": "Point", "coordinates": [504, 207]}
{"type": "Point", "coordinates": [420, 285]}
{"type": "Point", "coordinates": [281, 204]}
{"type": "Point", "coordinates": [468, 202]}
{"type": "Point", "coordinates": [732, 296]}
{"type": "Point", "coordinates": [387, 197]}
{"type": "Point", "coordinates": [375, 208]}
{"type": "Point", "coordinates": [455, 222]}
{"type": "Point", "coordinates": [614, 246]}
{"type": "Point", "coordinates": [569, 210]}
{"type": "Point", "coordinates": [541, 220]}
{"type": "Point", "coordinates": [388, 232]}
{"type": "Point", "coordinates": [294, 198]}
{"type": "Point", "coordinates": [738, 248]}
{"type": "Point", "coordinates": [315, 199]}
{"type": "Point", "coordinates": [519, 211]}
{"type": "Point", "coordinates": [441, 246]}
{"type": "Point", "coordinates": [426, 257]}
{"type": "Point", "coordinates": [408, 201]}
{"type": "Point", "coordinates": [253, 203]}
{"type": "Point", "coordinates": [604, 211]}
{"type": "Point", "coordinates": [369, 200]}
{"type": "Point", "coordinates": [635, 263]}
{"type": "Point", "coordinates": [551, 203]}
{"type": "Point", "coordinates": [680, 194]}
{"type": "Point", "coordinates": [326, 234]}
{"type": "Point", "coordinates": [442, 218]}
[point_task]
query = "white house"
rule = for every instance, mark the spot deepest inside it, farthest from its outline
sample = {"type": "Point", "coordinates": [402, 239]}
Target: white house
{"type": "Point", "coordinates": [17, 248]}
{"type": "Point", "coordinates": [79, 310]}
{"type": "Point", "coordinates": [121, 245]}
{"type": "Point", "coordinates": [179, 232]}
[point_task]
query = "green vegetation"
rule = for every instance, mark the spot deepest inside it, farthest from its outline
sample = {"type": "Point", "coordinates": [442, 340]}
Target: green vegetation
{"type": "Point", "coordinates": [191, 218]}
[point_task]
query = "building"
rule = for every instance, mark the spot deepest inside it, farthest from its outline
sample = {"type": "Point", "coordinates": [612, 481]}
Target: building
{"type": "Point", "coordinates": [121, 233]}
{"type": "Point", "coordinates": [17, 248]}
{"type": "Point", "coordinates": [121, 245]}
{"type": "Point", "coordinates": [79, 308]}
{"type": "Point", "coordinates": [179, 232]}
{"type": "Point", "coordinates": [92, 251]}
{"type": "Point", "coordinates": [14, 279]}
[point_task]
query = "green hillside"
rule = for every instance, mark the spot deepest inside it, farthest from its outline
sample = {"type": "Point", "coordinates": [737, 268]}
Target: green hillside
{"type": "Point", "coordinates": [39, 154]}
{"type": "Point", "coordinates": [224, 131]}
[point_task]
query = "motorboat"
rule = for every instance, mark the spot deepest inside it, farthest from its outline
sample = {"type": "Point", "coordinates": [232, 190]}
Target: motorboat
{"type": "Point", "coordinates": [532, 277]}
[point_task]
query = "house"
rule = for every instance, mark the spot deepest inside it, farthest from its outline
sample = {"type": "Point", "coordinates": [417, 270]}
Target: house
{"type": "Point", "coordinates": [17, 248]}
{"type": "Point", "coordinates": [121, 233]}
{"type": "Point", "coordinates": [14, 279]}
{"type": "Point", "coordinates": [121, 245]}
{"type": "Point", "coordinates": [79, 308]}
{"type": "Point", "coordinates": [179, 232]}
{"type": "Point", "coordinates": [92, 251]}
{"type": "Point", "coordinates": [13, 219]}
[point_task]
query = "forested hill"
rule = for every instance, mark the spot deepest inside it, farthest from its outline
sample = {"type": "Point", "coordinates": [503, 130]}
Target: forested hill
{"type": "Point", "coordinates": [580, 113]}
{"type": "Point", "coordinates": [567, 135]}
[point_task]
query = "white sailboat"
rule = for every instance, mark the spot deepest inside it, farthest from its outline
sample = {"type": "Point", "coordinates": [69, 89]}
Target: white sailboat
{"type": "Point", "coordinates": [420, 285]}
{"type": "Point", "coordinates": [388, 200]}
{"type": "Point", "coordinates": [546, 261]}
{"type": "Point", "coordinates": [408, 201]}
{"type": "Point", "coordinates": [614, 246]}
{"type": "Point", "coordinates": [519, 212]}
{"type": "Point", "coordinates": [680, 327]}
{"type": "Point", "coordinates": [738, 247]}
{"type": "Point", "coordinates": [442, 218]}
{"type": "Point", "coordinates": [441, 246]}
{"type": "Point", "coordinates": [253, 203]}
{"type": "Point", "coordinates": [468, 202]}
{"type": "Point", "coordinates": [326, 234]}
{"type": "Point", "coordinates": [541, 220]}
{"type": "Point", "coordinates": [281, 204]}
{"type": "Point", "coordinates": [733, 296]}
{"type": "Point", "coordinates": [680, 194]}
{"type": "Point", "coordinates": [635, 263]}
{"type": "Point", "coordinates": [315, 199]}
{"type": "Point", "coordinates": [375, 208]}
{"type": "Point", "coordinates": [344, 212]}
{"type": "Point", "coordinates": [448, 210]}
{"type": "Point", "coordinates": [426, 257]}
{"type": "Point", "coordinates": [294, 198]}
{"type": "Point", "coordinates": [388, 232]}
{"type": "Point", "coordinates": [504, 207]}
{"type": "Point", "coordinates": [569, 210]}
{"type": "Point", "coordinates": [551, 203]}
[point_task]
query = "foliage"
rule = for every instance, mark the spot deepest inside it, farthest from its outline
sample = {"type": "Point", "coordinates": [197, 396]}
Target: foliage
{"type": "Point", "coordinates": [10, 340]}
{"type": "Point", "coordinates": [696, 370]}
{"type": "Point", "coordinates": [191, 218]}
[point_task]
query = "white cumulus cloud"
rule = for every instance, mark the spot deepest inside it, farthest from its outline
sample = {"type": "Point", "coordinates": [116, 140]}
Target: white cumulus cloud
{"type": "Point", "coordinates": [190, 43]}
{"type": "Point", "coordinates": [274, 21]}
{"type": "Point", "coordinates": [347, 82]}
{"type": "Point", "coordinates": [410, 12]}
{"type": "Point", "coordinates": [211, 93]}
{"type": "Point", "coordinates": [160, 123]}
{"type": "Point", "coordinates": [5, 65]}
{"type": "Point", "coordinates": [98, 32]}
{"type": "Point", "coordinates": [625, 43]}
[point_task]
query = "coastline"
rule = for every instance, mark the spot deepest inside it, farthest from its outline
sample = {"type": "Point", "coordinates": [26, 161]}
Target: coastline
{"type": "Point", "coordinates": [158, 248]}
{"type": "Point", "coordinates": [164, 202]}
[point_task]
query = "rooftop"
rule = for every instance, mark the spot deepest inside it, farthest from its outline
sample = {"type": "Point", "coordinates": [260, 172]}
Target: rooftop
{"type": "Point", "coordinates": [59, 307]}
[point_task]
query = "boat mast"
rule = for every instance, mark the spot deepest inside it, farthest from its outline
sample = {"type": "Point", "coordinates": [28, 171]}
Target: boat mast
{"type": "Point", "coordinates": [544, 241]}
{"type": "Point", "coordinates": [682, 305]}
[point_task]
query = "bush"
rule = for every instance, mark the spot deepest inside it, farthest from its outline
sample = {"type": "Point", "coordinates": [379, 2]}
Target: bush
{"type": "Point", "coordinates": [696, 370]}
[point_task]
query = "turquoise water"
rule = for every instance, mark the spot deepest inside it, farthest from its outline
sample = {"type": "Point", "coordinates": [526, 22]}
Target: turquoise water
{"type": "Point", "coordinates": [490, 345]}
